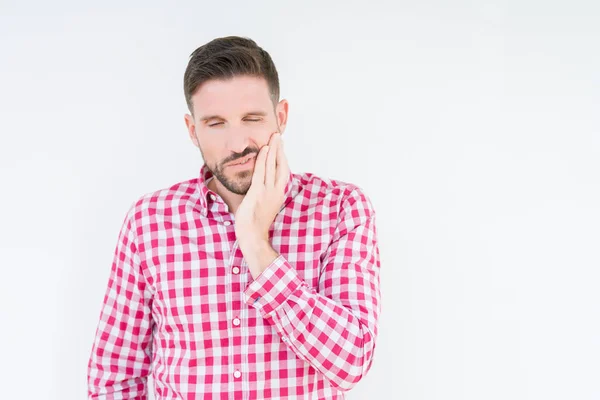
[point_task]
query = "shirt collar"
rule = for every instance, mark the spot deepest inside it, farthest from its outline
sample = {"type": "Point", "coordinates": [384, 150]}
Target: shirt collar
{"type": "Point", "coordinates": [291, 189]}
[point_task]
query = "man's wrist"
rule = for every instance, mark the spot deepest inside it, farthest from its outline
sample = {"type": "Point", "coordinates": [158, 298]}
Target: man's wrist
{"type": "Point", "coordinates": [258, 254]}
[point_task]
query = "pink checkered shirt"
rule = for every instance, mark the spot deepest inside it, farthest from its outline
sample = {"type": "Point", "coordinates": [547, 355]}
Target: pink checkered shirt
{"type": "Point", "coordinates": [181, 302]}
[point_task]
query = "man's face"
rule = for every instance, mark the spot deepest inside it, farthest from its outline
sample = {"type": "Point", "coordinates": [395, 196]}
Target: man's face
{"type": "Point", "coordinates": [232, 120]}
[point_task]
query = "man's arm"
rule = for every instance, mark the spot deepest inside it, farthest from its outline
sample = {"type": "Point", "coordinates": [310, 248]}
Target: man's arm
{"type": "Point", "coordinates": [121, 356]}
{"type": "Point", "coordinates": [334, 328]}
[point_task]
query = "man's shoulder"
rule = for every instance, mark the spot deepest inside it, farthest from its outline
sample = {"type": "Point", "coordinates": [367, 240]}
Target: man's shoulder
{"type": "Point", "coordinates": [165, 199]}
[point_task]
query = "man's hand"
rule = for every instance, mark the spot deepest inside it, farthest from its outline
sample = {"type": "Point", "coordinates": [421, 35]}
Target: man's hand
{"type": "Point", "coordinates": [262, 203]}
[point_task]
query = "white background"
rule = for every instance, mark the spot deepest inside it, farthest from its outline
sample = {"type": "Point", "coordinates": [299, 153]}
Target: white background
{"type": "Point", "coordinates": [474, 126]}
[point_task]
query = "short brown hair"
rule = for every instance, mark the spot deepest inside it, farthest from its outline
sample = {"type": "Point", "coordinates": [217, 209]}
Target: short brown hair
{"type": "Point", "coordinates": [225, 58]}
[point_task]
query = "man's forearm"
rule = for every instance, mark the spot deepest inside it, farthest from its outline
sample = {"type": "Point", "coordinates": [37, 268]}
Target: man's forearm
{"type": "Point", "coordinates": [335, 339]}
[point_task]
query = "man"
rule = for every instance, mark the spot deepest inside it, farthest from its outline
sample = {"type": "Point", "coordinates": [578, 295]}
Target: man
{"type": "Point", "coordinates": [249, 281]}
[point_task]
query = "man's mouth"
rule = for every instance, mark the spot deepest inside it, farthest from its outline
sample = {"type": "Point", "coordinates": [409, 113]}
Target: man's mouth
{"type": "Point", "coordinates": [242, 161]}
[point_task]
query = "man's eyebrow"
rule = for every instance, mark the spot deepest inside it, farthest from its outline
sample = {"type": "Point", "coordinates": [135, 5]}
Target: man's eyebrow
{"type": "Point", "coordinates": [209, 117]}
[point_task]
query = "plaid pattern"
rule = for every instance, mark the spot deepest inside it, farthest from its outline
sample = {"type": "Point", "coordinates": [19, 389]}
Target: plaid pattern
{"type": "Point", "coordinates": [181, 303]}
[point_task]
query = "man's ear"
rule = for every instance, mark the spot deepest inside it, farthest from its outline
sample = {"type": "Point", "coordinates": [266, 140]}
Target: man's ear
{"type": "Point", "coordinates": [191, 127]}
{"type": "Point", "coordinates": [281, 113]}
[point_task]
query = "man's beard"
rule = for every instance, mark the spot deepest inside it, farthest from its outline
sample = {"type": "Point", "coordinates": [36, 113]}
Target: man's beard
{"type": "Point", "coordinates": [241, 181]}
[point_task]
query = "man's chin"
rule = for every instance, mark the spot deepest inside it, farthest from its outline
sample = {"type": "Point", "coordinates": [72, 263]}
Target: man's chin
{"type": "Point", "coordinates": [241, 177]}
{"type": "Point", "coordinates": [238, 185]}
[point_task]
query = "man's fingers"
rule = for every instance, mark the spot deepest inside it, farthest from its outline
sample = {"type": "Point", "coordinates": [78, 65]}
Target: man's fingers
{"type": "Point", "coordinates": [258, 177]}
{"type": "Point", "coordinates": [271, 158]}
{"type": "Point", "coordinates": [283, 169]}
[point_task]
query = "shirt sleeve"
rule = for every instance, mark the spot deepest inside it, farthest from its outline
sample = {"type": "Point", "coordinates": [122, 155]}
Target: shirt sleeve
{"type": "Point", "coordinates": [332, 327]}
{"type": "Point", "coordinates": [121, 356]}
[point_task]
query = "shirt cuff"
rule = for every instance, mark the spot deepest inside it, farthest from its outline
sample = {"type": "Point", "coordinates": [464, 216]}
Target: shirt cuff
{"type": "Point", "coordinates": [272, 287]}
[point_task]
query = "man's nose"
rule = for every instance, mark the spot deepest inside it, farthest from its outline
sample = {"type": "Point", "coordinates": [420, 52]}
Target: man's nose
{"type": "Point", "coordinates": [238, 140]}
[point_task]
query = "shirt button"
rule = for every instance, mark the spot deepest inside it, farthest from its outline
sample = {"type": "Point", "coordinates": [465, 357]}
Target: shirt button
{"type": "Point", "coordinates": [213, 197]}
{"type": "Point", "coordinates": [237, 374]}
{"type": "Point", "coordinates": [236, 321]}
{"type": "Point", "coordinates": [236, 270]}
{"type": "Point", "coordinates": [227, 223]}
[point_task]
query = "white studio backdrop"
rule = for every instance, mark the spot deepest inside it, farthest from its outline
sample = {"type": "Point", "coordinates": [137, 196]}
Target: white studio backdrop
{"type": "Point", "coordinates": [473, 126]}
